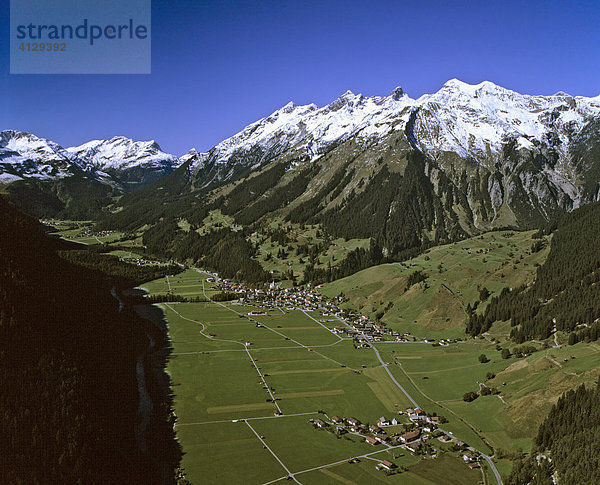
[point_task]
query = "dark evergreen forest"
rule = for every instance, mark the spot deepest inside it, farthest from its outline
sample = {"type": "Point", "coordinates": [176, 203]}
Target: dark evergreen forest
{"type": "Point", "coordinates": [68, 389]}
{"type": "Point", "coordinates": [570, 437]}
{"type": "Point", "coordinates": [565, 294]}
{"type": "Point", "coordinates": [395, 209]}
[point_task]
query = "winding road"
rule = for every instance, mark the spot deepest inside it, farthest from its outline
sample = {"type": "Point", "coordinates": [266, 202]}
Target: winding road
{"type": "Point", "coordinates": [384, 364]}
{"type": "Point", "coordinates": [487, 458]}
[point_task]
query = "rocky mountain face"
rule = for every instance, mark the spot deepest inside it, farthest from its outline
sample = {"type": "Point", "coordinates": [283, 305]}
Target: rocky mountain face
{"type": "Point", "coordinates": [464, 159]}
{"type": "Point", "coordinates": [118, 161]}
{"type": "Point", "coordinates": [131, 163]}
{"type": "Point", "coordinates": [494, 157]}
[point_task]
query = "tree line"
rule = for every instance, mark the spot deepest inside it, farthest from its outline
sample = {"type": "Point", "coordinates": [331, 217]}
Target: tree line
{"type": "Point", "coordinates": [565, 293]}
{"type": "Point", "coordinates": [570, 438]}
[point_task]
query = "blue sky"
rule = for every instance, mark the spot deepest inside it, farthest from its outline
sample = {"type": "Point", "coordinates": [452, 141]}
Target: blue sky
{"type": "Point", "coordinates": [218, 66]}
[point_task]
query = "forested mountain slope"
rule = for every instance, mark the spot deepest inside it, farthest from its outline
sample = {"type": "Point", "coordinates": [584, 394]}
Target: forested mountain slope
{"type": "Point", "coordinates": [68, 389]}
{"type": "Point", "coordinates": [567, 443]}
{"type": "Point", "coordinates": [566, 291]}
{"type": "Point", "coordinates": [492, 157]}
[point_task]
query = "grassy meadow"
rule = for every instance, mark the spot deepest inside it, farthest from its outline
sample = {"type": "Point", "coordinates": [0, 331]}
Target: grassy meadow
{"type": "Point", "coordinates": [224, 418]}
{"type": "Point", "coordinates": [221, 400]}
{"type": "Point", "coordinates": [455, 273]}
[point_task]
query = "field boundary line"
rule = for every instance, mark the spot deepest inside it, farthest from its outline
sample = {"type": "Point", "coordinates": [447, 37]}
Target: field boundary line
{"type": "Point", "coordinates": [257, 418]}
{"type": "Point", "coordinates": [328, 330]}
{"type": "Point", "coordinates": [290, 474]}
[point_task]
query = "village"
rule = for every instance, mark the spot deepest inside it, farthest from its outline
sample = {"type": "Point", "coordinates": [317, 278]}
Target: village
{"type": "Point", "coordinates": [361, 328]}
{"type": "Point", "coordinates": [412, 431]}
{"type": "Point", "coordinates": [358, 431]}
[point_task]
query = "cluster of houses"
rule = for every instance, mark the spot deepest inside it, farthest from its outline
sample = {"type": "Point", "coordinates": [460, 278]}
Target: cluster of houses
{"type": "Point", "coordinates": [272, 297]}
{"type": "Point", "coordinates": [87, 232]}
{"type": "Point", "coordinates": [470, 458]}
{"type": "Point", "coordinates": [425, 428]}
{"type": "Point", "coordinates": [359, 327]}
{"type": "Point", "coordinates": [142, 261]}
{"type": "Point", "coordinates": [366, 330]}
{"type": "Point", "coordinates": [376, 434]}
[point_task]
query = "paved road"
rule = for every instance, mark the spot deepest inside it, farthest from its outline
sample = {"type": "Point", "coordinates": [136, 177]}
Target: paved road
{"type": "Point", "coordinates": [290, 474]}
{"type": "Point", "coordinates": [491, 464]}
{"type": "Point", "coordinates": [325, 327]}
{"type": "Point", "coordinates": [385, 366]}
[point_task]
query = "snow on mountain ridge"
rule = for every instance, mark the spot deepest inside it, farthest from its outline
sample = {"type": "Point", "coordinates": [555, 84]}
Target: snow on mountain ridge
{"type": "Point", "coordinates": [314, 127]}
{"type": "Point", "coordinates": [26, 155]}
{"type": "Point", "coordinates": [25, 144]}
{"type": "Point", "coordinates": [471, 120]}
{"type": "Point", "coordinates": [479, 117]}
{"type": "Point", "coordinates": [474, 121]}
{"type": "Point", "coordinates": [121, 153]}
{"type": "Point", "coordinates": [119, 161]}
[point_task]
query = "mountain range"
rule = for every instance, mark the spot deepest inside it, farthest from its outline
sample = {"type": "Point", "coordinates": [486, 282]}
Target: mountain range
{"type": "Point", "coordinates": [488, 157]}
{"type": "Point", "coordinates": [118, 160]}
{"type": "Point", "coordinates": [515, 144]}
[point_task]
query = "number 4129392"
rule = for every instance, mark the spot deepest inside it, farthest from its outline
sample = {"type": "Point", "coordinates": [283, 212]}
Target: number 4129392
{"type": "Point", "coordinates": [42, 47]}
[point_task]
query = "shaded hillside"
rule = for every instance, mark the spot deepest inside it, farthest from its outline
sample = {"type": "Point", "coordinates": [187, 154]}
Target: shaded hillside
{"type": "Point", "coordinates": [68, 389]}
{"type": "Point", "coordinates": [76, 197]}
{"type": "Point", "coordinates": [168, 198]}
{"type": "Point", "coordinates": [390, 193]}
{"type": "Point", "coordinates": [408, 174]}
{"type": "Point", "coordinates": [570, 438]}
{"type": "Point", "coordinates": [490, 157]}
{"type": "Point", "coordinates": [393, 203]}
{"type": "Point", "coordinates": [565, 294]}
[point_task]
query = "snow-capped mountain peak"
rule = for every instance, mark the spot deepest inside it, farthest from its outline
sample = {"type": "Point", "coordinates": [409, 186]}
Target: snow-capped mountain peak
{"type": "Point", "coordinates": [24, 155]}
{"type": "Point", "coordinates": [474, 121]}
{"type": "Point", "coordinates": [121, 153]}
{"type": "Point", "coordinates": [117, 161]}
{"type": "Point", "coordinates": [398, 93]}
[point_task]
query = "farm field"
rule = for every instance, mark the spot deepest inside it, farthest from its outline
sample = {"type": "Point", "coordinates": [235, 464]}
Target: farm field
{"type": "Point", "coordinates": [527, 386]}
{"type": "Point", "coordinates": [219, 360]}
{"type": "Point", "coordinates": [227, 367]}
{"type": "Point", "coordinates": [82, 232]}
{"type": "Point", "coordinates": [77, 231]}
